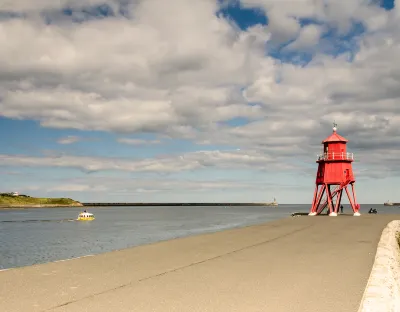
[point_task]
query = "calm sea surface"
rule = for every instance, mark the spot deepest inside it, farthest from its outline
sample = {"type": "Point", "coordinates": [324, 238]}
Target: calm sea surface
{"type": "Point", "coordinates": [31, 236]}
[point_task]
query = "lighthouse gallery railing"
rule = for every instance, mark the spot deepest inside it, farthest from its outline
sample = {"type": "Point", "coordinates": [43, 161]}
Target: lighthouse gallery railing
{"type": "Point", "coordinates": [335, 156]}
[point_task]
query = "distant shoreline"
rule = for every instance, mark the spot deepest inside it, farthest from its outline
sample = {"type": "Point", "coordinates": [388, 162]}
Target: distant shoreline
{"type": "Point", "coordinates": [15, 200]}
{"type": "Point", "coordinates": [38, 206]}
{"type": "Point", "coordinates": [178, 204]}
{"type": "Point", "coordinates": [132, 205]}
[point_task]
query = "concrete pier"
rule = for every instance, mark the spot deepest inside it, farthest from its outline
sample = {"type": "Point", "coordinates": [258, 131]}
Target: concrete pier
{"type": "Point", "coordinates": [296, 264]}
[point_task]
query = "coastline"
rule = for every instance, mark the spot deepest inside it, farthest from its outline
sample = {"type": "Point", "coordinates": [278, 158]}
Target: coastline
{"type": "Point", "coordinates": [243, 269]}
{"type": "Point", "coordinates": [98, 205]}
{"type": "Point", "coordinates": [176, 204]}
{"type": "Point", "coordinates": [39, 206]}
{"type": "Point", "coordinates": [11, 201]}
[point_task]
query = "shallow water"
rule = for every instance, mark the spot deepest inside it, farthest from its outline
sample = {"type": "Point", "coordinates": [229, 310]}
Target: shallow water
{"type": "Point", "coordinates": [39, 235]}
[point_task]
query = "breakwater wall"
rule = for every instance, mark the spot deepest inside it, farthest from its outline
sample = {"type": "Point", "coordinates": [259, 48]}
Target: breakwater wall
{"type": "Point", "coordinates": [383, 288]}
{"type": "Point", "coordinates": [179, 204]}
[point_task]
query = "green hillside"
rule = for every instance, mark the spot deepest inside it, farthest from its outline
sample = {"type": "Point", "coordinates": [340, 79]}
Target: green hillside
{"type": "Point", "coordinates": [24, 200]}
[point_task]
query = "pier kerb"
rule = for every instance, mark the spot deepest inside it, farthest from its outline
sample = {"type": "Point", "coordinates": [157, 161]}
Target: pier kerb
{"type": "Point", "coordinates": [383, 288]}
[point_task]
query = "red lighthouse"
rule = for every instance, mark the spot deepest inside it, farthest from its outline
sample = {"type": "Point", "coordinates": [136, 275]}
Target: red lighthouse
{"type": "Point", "coordinates": [334, 175]}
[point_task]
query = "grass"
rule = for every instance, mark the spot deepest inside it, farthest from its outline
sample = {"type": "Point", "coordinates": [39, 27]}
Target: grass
{"type": "Point", "coordinates": [7, 200]}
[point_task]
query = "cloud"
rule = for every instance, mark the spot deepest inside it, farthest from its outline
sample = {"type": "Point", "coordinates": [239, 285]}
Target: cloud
{"type": "Point", "coordinates": [128, 186]}
{"type": "Point", "coordinates": [283, 28]}
{"type": "Point", "coordinates": [295, 160]}
{"type": "Point", "coordinates": [338, 14]}
{"type": "Point", "coordinates": [153, 76]}
{"type": "Point", "coordinates": [184, 71]}
{"type": "Point", "coordinates": [11, 173]}
{"type": "Point", "coordinates": [162, 164]}
{"type": "Point", "coordinates": [308, 38]}
{"type": "Point", "coordinates": [137, 141]}
{"type": "Point", "coordinates": [68, 140]}
{"type": "Point", "coordinates": [119, 188]}
{"type": "Point", "coordinates": [77, 188]}
{"type": "Point", "coordinates": [40, 5]}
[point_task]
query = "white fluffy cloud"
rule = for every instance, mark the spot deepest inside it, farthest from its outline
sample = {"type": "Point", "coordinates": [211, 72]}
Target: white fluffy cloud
{"type": "Point", "coordinates": [308, 38]}
{"type": "Point", "coordinates": [121, 185]}
{"type": "Point", "coordinates": [40, 5]}
{"type": "Point", "coordinates": [164, 164]}
{"type": "Point", "coordinates": [137, 141]}
{"type": "Point", "coordinates": [181, 71]}
{"type": "Point", "coordinates": [167, 69]}
{"type": "Point", "coordinates": [68, 140]}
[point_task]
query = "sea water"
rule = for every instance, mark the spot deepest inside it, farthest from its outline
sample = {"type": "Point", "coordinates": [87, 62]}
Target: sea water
{"type": "Point", "coordinates": [39, 235]}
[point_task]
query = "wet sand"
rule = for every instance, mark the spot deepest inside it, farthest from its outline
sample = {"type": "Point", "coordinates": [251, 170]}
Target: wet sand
{"type": "Point", "coordinates": [295, 264]}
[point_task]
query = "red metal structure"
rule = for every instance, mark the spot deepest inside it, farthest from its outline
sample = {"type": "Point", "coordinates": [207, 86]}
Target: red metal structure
{"type": "Point", "coordinates": [334, 175]}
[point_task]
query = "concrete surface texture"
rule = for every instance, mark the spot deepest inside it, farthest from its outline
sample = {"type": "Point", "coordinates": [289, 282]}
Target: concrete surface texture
{"type": "Point", "coordinates": [296, 264]}
{"type": "Point", "coordinates": [383, 289]}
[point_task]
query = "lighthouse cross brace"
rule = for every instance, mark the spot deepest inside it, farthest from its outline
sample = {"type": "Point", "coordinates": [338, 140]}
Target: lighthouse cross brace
{"type": "Point", "coordinates": [324, 197]}
{"type": "Point", "coordinates": [334, 175]}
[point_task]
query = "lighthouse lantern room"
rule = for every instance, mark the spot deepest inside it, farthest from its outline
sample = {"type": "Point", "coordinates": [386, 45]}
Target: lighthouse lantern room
{"type": "Point", "coordinates": [334, 175]}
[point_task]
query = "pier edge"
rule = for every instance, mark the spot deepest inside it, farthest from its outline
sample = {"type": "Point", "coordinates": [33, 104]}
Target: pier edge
{"type": "Point", "coordinates": [382, 292]}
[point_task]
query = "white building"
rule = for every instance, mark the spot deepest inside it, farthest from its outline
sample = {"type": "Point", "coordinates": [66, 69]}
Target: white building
{"type": "Point", "coordinates": [15, 194]}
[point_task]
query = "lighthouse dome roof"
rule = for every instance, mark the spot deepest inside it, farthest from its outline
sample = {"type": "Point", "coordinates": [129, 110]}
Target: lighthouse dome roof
{"type": "Point", "coordinates": [334, 137]}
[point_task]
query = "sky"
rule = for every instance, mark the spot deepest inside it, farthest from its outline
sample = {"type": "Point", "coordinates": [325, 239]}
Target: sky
{"type": "Point", "coordinates": [196, 101]}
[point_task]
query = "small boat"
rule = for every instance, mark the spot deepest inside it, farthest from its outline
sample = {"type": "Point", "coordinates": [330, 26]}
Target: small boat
{"type": "Point", "coordinates": [85, 216]}
{"type": "Point", "coordinates": [388, 203]}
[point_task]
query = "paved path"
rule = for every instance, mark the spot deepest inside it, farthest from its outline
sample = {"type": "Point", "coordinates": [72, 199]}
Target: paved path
{"type": "Point", "coordinates": [296, 264]}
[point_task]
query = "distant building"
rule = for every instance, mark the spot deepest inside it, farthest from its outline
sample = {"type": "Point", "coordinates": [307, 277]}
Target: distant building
{"type": "Point", "coordinates": [14, 193]}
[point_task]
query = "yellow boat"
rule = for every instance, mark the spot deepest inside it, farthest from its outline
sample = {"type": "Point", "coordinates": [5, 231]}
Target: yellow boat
{"type": "Point", "coordinates": [85, 216]}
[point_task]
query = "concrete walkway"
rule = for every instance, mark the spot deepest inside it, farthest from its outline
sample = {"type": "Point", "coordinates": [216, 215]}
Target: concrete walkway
{"type": "Point", "coordinates": [296, 264]}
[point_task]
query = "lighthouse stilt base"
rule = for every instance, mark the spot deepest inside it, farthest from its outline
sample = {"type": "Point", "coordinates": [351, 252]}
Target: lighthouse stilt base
{"type": "Point", "coordinates": [329, 197]}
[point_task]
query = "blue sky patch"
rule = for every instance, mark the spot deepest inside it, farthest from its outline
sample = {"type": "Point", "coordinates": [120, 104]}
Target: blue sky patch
{"type": "Point", "coordinates": [387, 4]}
{"type": "Point", "coordinates": [244, 17]}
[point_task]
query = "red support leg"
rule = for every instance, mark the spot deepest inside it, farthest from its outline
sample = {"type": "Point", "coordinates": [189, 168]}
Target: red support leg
{"type": "Point", "coordinates": [328, 199]}
{"type": "Point", "coordinates": [333, 195]}
{"type": "Point", "coordinates": [314, 198]}
{"type": "Point", "coordinates": [318, 202]}
{"type": "Point", "coordinates": [337, 202]}
{"type": "Point", "coordinates": [354, 196]}
{"type": "Point", "coordinates": [339, 199]}
{"type": "Point", "coordinates": [328, 191]}
{"type": "Point", "coordinates": [350, 199]}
